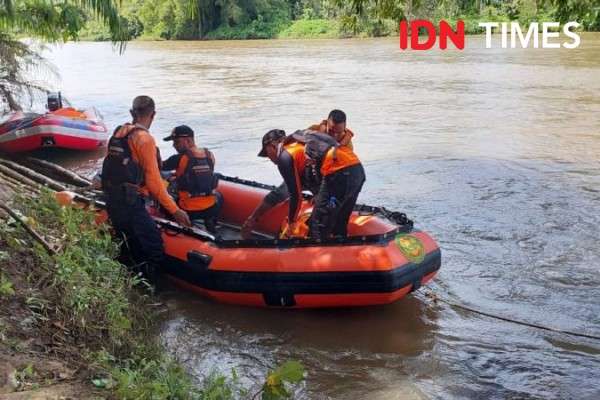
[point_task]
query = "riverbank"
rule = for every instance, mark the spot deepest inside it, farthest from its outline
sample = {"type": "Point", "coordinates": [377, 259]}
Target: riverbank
{"type": "Point", "coordinates": [74, 321]}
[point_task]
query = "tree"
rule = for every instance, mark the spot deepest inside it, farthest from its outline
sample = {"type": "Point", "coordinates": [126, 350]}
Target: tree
{"type": "Point", "coordinates": [48, 21]}
{"type": "Point", "coordinates": [586, 12]}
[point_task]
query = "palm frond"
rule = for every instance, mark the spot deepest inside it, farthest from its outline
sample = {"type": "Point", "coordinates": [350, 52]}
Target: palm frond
{"type": "Point", "coordinates": [60, 21]}
{"type": "Point", "coordinates": [19, 64]}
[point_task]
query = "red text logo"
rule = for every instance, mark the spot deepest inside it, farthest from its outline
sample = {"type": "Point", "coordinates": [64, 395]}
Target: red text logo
{"type": "Point", "coordinates": [457, 37]}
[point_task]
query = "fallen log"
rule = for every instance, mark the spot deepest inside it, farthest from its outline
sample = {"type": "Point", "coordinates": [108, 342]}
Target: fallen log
{"type": "Point", "coordinates": [70, 176]}
{"type": "Point", "coordinates": [10, 180]}
{"type": "Point", "coordinates": [35, 176]}
{"type": "Point", "coordinates": [17, 187]}
{"type": "Point", "coordinates": [17, 176]}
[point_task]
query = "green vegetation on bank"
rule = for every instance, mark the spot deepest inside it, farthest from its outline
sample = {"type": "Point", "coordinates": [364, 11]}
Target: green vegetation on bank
{"type": "Point", "coordinates": [95, 313]}
{"type": "Point", "coordinates": [265, 19]}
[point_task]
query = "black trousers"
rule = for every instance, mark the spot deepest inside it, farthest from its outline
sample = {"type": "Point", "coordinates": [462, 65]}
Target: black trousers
{"type": "Point", "coordinates": [209, 215]}
{"type": "Point", "coordinates": [142, 238]}
{"type": "Point", "coordinates": [335, 202]}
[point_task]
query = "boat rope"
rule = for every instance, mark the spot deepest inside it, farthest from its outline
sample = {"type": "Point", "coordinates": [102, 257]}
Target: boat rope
{"type": "Point", "coordinates": [396, 217]}
{"type": "Point", "coordinates": [429, 294]}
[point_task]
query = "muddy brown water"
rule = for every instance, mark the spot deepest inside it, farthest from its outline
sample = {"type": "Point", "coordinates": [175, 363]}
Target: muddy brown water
{"type": "Point", "coordinates": [494, 152]}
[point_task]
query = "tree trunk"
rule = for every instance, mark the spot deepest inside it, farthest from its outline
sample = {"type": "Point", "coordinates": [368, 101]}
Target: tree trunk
{"type": "Point", "coordinates": [10, 100]}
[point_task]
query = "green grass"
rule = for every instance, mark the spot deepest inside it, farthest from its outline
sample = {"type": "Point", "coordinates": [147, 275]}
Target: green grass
{"type": "Point", "coordinates": [103, 308]}
{"type": "Point", "coordinates": [256, 29]}
{"type": "Point", "coordinates": [6, 286]}
{"type": "Point", "coordinates": [311, 29]}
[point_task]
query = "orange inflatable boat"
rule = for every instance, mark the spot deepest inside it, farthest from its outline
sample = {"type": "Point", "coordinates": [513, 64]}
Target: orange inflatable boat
{"type": "Point", "coordinates": [383, 259]}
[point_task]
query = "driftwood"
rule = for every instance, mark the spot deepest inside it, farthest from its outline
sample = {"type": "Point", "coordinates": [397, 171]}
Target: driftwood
{"type": "Point", "coordinates": [19, 177]}
{"type": "Point", "coordinates": [10, 180]}
{"type": "Point", "coordinates": [29, 230]}
{"type": "Point", "coordinates": [28, 182]}
{"type": "Point", "coordinates": [64, 173]}
{"type": "Point", "coordinates": [10, 184]}
{"type": "Point", "coordinates": [16, 186]}
{"type": "Point", "coordinates": [35, 176]}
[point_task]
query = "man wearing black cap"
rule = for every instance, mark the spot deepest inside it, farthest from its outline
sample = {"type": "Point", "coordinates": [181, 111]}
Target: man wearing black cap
{"type": "Point", "coordinates": [340, 174]}
{"type": "Point", "coordinates": [288, 161]}
{"type": "Point", "coordinates": [195, 177]}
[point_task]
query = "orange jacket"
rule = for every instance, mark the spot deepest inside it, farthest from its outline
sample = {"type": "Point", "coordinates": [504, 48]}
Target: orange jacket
{"type": "Point", "coordinates": [292, 166]}
{"type": "Point", "coordinates": [143, 151]}
{"type": "Point", "coordinates": [186, 201]}
{"type": "Point", "coordinates": [345, 140]}
{"type": "Point", "coordinates": [338, 159]}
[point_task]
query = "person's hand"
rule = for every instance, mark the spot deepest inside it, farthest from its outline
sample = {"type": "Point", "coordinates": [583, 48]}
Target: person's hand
{"type": "Point", "coordinates": [182, 218]}
{"type": "Point", "coordinates": [248, 227]}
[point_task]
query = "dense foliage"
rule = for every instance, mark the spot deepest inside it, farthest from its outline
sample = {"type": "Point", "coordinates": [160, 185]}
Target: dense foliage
{"type": "Point", "coordinates": [257, 19]}
{"type": "Point", "coordinates": [22, 69]}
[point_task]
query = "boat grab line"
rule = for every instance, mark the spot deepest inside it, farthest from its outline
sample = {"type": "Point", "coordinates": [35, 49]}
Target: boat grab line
{"type": "Point", "coordinates": [429, 294]}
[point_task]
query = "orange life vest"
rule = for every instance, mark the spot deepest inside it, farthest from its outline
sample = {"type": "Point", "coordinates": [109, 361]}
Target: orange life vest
{"type": "Point", "coordinates": [338, 159]}
{"type": "Point", "coordinates": [345, 140]}
{"type": "Point", "coordinates": [196, 180]}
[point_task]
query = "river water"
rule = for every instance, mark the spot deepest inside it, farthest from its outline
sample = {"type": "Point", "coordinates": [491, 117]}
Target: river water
{"type": "Point", "coordinates": [495, 152]}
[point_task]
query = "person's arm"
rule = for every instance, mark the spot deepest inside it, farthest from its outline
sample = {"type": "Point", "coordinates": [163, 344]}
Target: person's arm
{"type": "Point", "coordinates": [274, 197]}
{"type": "Point", "coordinates": [170, 164]}
{"type": "Point", "coordinates": [347, 139]}
{"type": "Point", "coordinates": [293, 183]}
{"type": "Point", "coordinates": [320, 127]}
{"type": "Point", "coordinates": [277, 195]}
{"type": "Point", "coordinates": [145, 149]}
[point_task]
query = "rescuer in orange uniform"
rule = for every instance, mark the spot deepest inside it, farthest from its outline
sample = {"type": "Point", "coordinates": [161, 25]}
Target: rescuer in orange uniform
{"type": "Point", "coordinates": [335, 126]}
{"type": "Point", "coordinates": [130, 172]}
{"type": "Point", "coordinates": [340, 172]}
{"type": "Point", "coordinates": [195, 177]}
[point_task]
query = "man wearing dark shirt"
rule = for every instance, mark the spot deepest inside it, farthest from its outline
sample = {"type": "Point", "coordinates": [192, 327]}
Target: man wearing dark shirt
{"type": "Point", "coordinates": [342, 174]}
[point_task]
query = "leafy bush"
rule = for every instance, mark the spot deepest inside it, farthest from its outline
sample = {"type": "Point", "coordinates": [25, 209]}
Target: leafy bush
{"type": "Point", "coordinates": [311, 28]}
{"type": "Point", "coordinates": [6, 286]}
